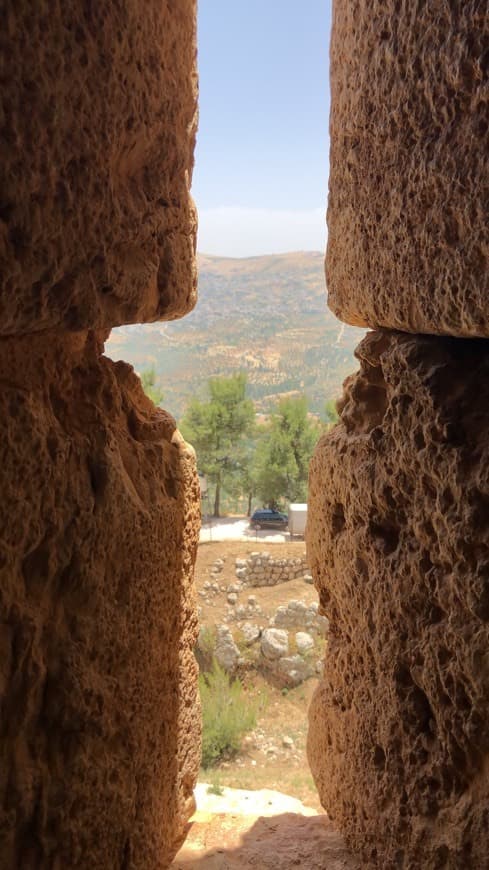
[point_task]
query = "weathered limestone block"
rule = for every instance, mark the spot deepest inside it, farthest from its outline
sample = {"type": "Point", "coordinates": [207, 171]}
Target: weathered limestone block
{"type": "Point", "coordinates": [97, 114]}
{"type": "Point", "coordinates": [99, 707]}
{"type": "Point", "coordinates": [398, 542]}
{"type": "Point", "coordinates": [407, 216]}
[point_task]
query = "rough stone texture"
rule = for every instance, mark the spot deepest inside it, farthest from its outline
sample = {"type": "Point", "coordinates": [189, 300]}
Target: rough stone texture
{"type": "Point", "coordinates": [226, 652]}
{"type": "Point", "coordinates": [261, 569]}
{"type": "Point", "coordinates": [97, 115]}
{"type": "Point", "coordinates": [274, 643]}
{"type": "Point", "coordinates": [293, 670]}
{"type": "Point", "coordinates": [297, 614]}
{"type": "Point", "coordinates": [99, 709]}
{"type": "Point", "coordinates": [409, 167]}
{"type": "Point", "coordinates": [304, 642]}
{"type": "Point", "coordinates": [398, 542]}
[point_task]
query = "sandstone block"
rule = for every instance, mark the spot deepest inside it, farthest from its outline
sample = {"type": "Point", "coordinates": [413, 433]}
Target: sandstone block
{"type": "Point", "coordinates": [97, 113]}
{"type": "Point", "coordinates": [409, 166]}
{"type": "Point", "coordinates": [398, 541]}
{"type": "Point", "coordinates": [99, 518]}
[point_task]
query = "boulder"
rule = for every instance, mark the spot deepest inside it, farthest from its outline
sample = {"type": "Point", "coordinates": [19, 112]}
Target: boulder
{"type": "Point", "coordinates": [294, 670]}
{"type": "Point", "coordinates": [304, 642]}
{"type": "Point", "coordinates": [226, 652]}
{"type": "Point", "coordinates": [251, 633]}
{"type": "Point", "coordinates": [274, 643]}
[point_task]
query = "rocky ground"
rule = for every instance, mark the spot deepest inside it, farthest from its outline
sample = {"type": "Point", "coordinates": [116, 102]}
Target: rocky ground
{"type": "Point", "coordinates": [273, 755]}
{"type": "Point", "coordinates": [213, 603]}
{"type": "Point", "coordinates": [260, 808]}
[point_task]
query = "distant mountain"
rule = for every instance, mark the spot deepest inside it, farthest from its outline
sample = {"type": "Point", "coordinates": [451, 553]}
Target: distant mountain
{"type": "Point", "coordinates": [264, 315]}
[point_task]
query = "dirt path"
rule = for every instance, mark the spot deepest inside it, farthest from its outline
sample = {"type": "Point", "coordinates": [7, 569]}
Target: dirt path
{"type": "Point", "coordinates": [238, 529]}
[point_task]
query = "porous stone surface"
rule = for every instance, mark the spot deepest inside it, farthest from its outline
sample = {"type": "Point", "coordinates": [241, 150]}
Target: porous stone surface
{"type": "Point", "coordinates": [99, 707]}
{"type": "Point", "coordinates": [409, 166]}
{"type": "Point", "coordinates": [97, 112]}
{"type": "Point", "coordinates": [398, 542]}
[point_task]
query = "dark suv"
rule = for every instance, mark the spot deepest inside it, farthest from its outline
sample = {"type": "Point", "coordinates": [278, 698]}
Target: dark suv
{"type": "Point", "coordinates": [267, 518]}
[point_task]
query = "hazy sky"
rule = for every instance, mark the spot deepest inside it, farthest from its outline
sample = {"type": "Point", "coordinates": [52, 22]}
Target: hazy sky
{"type": "Point", "coordinates": [260, 178]}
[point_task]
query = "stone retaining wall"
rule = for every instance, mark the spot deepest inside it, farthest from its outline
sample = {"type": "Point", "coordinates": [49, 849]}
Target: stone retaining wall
{"type": "Point", "coordinates": [260, 569]}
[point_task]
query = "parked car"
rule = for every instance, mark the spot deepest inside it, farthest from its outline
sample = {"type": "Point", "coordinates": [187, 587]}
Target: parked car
{"type": "Point", "coordinates": [266, 518]}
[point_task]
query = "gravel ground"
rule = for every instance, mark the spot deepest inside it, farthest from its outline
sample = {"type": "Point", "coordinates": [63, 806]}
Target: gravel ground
{"type": "Point", "coordinates": [238, 529]}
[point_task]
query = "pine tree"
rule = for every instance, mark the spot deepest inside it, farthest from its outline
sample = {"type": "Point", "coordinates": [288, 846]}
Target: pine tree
{"type": "Point", "coordinates": [217, 429]}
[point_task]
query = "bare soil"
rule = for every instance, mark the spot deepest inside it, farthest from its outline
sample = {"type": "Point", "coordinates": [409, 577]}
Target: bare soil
{"type": "Point", "coordinates": [268, 597]}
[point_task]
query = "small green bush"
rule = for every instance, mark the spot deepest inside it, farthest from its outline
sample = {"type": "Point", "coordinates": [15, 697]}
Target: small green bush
{"type": "Point", "coordinates": [204, 649]}
{"type": "Point", "coordinates": [227, 714]}
{"type": "Point", "coordinates": [215, 787]}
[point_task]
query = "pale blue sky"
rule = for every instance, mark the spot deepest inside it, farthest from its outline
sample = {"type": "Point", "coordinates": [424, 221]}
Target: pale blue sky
{"type": "Point", "coordinates": [260, 179]}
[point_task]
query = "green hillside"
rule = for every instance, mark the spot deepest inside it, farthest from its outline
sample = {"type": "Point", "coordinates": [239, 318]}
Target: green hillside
{"type": "Point", "coordinates": [264, 315]}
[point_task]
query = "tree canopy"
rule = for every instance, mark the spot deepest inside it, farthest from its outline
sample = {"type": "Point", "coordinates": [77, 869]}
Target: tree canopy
{"type": "Point", "coordinates": [330, 413]}
{"type": "Point", "coordinates": [283, 453]}
{"type": "Point", "coordinates": [217, 429]}
{"type": "Point", "coordinates": [150, 386]}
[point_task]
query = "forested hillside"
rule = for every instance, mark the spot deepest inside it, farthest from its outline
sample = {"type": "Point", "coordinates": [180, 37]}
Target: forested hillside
{"type": "Point", "coordinates": [266, 316]}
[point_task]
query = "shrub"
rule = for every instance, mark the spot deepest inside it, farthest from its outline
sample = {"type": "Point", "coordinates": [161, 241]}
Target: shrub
{"type": "Point", "coordinates": [227, 714]}
{"type": "Point", "coordinates": [215, 787]}
{"type": "Point", "coordinates": [204, 649]}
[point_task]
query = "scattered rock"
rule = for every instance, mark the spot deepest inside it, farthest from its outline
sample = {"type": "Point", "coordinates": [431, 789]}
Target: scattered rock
{"type": "Point", "coordinates": [298, 615]}
{"type": "Point", "coordinates": [294, 670]}
{"type": "Point", "coordinates": [251, 633]}
{"type": "Point", "coordinates": [226, 652]}
{"type": "Point", "coordinates": [274, 643]}
{"type": "Point", "coordinates": [304, 642]}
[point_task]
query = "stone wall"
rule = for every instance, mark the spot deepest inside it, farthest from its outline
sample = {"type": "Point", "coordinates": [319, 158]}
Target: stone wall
{"type": "Point", "coordinates": [98, 126]}
{"type": "Point", "coordinates": [408, 169]}
{"type": "Point", "coordinates": [261, 569]}
{"type": "Point", "coordinates": [100, 497]}
{"type": "Point", "coordinates": [399, 490]}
